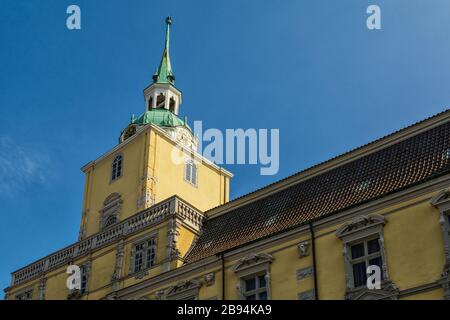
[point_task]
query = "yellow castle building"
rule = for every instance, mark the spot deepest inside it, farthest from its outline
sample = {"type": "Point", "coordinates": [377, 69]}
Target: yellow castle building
{"type": "Point", "coordinates": [157, 223]}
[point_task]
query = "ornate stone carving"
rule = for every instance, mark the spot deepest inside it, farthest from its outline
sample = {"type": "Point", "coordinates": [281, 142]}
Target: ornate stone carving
{"type": "Point", "coordinates": [445, 281]}
{"type": "Point", "coordinates": [252, 264]}
{"type": "Point", "coordinates": [42, 286]}
{"type": "Point", "coordinates": [141, 274]}
{"type": "Point", "coordinates": [305, 273]}
{"type": "Point", "coordinates": [209, 279]}
{"type": "Point", "coordinates": [360, 223]}
{"type": "Point", "coordinates": [442, 200]}
{"type": "Point", "coordinates": [159, 294]}
{"type": "Point", "coordinates": [252, 259]}
{"type": "Point", "coordinates": [118, 266]}
{"type": "Point", "coordinates": [307, 295]}
{"type": "Point", "coordinates": [184, 289]}
{"type": "Point", "coordinates": [172, 252]}
{"type": "Point", "coordinates": [388, 291]}
{"type": "Point", "coordinates": [74, 294]}
{"type": "Point", "coordinates": [303, 249]}
{"type": "Point", "coordinates": [111, 296]}
{"type": "Point", "coordinates": [147, 199]}
{"type": "Point", "coordinates": [110, 213]}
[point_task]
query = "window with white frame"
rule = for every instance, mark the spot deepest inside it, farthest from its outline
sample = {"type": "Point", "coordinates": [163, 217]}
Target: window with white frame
{"type": "Point", "coordinates": [190, 172]}
{"type": "Point", "coordinates": [116, 170]}
{"type": "Point", "coordinates": [255, 287]}
{"type": "Point", "coordinates": [144, 255]}
{"type": "Point", "coordinates": [26, 295]}
{"type": "Point", "coordinates": [363, 246]}
{"type": "Point", "coordinates": [253, 275]}
{"type": "Point", "coordinates": [362, 255]}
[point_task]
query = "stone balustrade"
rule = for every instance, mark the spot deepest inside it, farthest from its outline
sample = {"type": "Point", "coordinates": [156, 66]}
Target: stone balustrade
{"type": "Point", "coordinates": [173, 206]}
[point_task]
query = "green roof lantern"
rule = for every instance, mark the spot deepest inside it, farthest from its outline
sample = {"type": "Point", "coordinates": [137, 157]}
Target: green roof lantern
{"type": "Point", "coordinates": [162, 118]}
{"type": "Point", "coordinates": [164, 73]}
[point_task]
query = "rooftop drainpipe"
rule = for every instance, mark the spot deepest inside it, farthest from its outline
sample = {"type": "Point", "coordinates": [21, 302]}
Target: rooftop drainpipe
{"type": "Point", "coordinates": [313, 247]}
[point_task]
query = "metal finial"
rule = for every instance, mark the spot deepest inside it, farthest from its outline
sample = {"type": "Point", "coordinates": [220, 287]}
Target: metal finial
{"type": "Point", "coordinates": [169, 20]}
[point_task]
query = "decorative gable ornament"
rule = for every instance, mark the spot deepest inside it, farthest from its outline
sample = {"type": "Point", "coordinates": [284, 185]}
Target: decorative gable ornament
{"type": "Point", "coordinates": [388, 291]}
{"type": "Point", "coordinates": [442, 200]}
{"type": "Point", "coordinates": [184, 289]}
{"type": "Point", "coordinates": [251, 260]}
{"type": "Point", "coordinates": [359, 224]}
{"type": "Point", "coordinates": [110, 213]}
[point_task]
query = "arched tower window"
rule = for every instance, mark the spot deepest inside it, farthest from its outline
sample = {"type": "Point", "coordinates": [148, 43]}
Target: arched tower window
{"type": "Point", "coordinates": [116, 171]}
{"type": "Point", "coordinates": [160, 100]}
{"type": "Point", "coordinates": [150, 103]}
{"type": "Point", "coordinates": [172, 105]}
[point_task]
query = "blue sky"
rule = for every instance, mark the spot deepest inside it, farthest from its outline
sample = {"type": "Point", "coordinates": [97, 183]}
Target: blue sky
{"type": "Point", "coordinates": [310, 68]}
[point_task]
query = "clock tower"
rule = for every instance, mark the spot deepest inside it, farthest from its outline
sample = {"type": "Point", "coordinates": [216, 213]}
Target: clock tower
{"type": "Point", "coordinates": [140, 171]}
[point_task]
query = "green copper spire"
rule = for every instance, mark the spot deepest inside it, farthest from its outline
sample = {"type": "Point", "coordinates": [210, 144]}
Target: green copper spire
{"type": "Point", "coordinates": [164, 74]}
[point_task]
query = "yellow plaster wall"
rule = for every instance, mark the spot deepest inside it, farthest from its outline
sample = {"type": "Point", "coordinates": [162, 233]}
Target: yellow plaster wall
{"type": "Point", "coordinates": [209, 191]}
{"type": "Point", "coordinates": [148, 156]}
{"type": "Point", "coordinates": [100, 184]}
{"type": "Point", "coordinates": [413, 242]}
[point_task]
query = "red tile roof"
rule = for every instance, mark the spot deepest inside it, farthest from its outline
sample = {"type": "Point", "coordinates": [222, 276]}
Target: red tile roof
{"type": "Point", "coordinates": [403, 164]}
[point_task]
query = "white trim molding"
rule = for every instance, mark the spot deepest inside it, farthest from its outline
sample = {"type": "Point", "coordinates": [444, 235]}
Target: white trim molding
{"type": "Point", "coordinates": [110, 212]}
{"type": "Point", "coordinates": [251, 265]}
{"type": "Point", "coordinates": [184, 290]}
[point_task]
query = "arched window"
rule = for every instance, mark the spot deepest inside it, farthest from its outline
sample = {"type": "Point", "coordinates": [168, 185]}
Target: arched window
{"type": "Point", "coordinates": [110, 213]}
{"type": "Point", "coordinates": [160, 100]}
{"type": "Point", "coordinates": [116, 171]}
{"type": "Point", "coordinates": [172, 105]}
{"type": "Point", "coordinates": [190, 172]}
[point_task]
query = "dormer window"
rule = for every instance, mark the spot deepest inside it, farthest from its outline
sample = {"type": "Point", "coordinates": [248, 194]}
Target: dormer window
{"type": "Point", "coordinates": [116, 170]}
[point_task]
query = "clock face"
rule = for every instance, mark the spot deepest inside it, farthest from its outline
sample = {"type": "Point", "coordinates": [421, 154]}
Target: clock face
{"type": "Point", "coordinates": [129, 132]}
{"type": "Point", "coordinates": [184, 137]}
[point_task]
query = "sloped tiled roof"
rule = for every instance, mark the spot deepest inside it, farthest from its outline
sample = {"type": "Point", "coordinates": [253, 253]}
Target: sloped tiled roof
{"type": "Point", "coordinates": [401, 165]}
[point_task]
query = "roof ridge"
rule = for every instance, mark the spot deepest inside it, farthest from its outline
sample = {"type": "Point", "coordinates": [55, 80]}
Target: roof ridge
{"type": "Point", "coordinates": [412, 157]}
{"type": "Point", "coordinates": [447, 110]}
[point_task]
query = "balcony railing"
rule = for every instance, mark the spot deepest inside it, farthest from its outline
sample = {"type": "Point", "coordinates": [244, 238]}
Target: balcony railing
{"type": "Point", "coordinates": [133, 224]}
